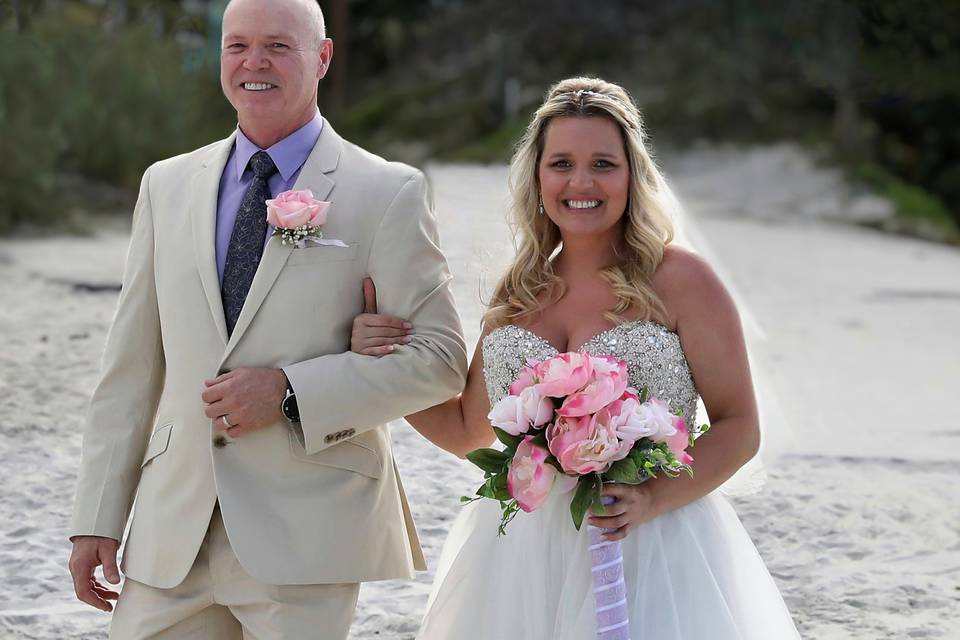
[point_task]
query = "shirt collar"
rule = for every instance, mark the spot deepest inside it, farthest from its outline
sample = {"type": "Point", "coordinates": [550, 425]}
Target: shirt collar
{"type": "Point", "coordinates": [288, 154]}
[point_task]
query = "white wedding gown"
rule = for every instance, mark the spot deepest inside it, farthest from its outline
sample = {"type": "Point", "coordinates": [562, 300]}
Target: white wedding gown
{"type": "Point", "coordinates": [691, 574]}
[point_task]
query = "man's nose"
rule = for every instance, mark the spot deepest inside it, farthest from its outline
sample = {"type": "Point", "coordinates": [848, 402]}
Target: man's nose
{"type": "Point", "coordinates": [256, 59]}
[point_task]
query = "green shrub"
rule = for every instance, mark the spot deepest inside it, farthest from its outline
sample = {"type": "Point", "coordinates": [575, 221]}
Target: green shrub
{"type": "Point", "coordinates": [104, 105]}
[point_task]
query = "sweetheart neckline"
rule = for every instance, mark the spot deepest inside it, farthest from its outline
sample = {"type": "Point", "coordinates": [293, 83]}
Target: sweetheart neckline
{"type": "Point", "coordinates": [590, 339]}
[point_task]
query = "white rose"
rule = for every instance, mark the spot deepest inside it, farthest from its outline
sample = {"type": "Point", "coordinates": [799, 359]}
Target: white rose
{"type": "Point", "coordinates": [515, 414]}
{"type": "Point", "coordinates": [651, 419]}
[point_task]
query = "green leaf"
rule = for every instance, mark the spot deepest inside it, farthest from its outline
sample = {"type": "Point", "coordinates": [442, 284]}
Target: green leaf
{"type": "Point", "coordinates": [490, 460]}
{"type": "Point", "coordinates": [508, 509]}
{"type": "Point", "coordinates": [511, 441]}
{"type": "Point", "coordinates": [644, 394]}
{"type": "Point", "coordinates": [625, 471]}
{"type": "Point", "coordinates": [486, 490]}
{"type": "Point", "coordinates": [588, 492]}
{"type": "Point", "coordinates": [499, 485]}
{"type": "Point", "coordinates": [540, 439]}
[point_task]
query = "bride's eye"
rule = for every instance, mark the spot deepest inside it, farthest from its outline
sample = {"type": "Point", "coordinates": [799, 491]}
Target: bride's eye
{"type": "Point", "coordinates": [561, 164]}
{"type": "Point", "coordinates": [604, 164]}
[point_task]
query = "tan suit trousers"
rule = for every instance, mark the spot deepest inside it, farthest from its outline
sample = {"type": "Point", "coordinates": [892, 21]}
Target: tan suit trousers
{"type": "Point", "coordinates": [219, 600]}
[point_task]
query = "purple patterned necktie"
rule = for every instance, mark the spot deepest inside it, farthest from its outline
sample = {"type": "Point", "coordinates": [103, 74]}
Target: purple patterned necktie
{"type": "Point", "coordinates": [246, 239]}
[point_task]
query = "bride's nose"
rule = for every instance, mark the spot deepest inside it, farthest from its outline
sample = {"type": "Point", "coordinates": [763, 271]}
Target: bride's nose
{"type": "Point", "coordinates": [581, 179]}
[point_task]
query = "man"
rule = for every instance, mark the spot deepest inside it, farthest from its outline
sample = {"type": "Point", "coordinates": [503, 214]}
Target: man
{"type": "Point", "coordinates": [251, 519]}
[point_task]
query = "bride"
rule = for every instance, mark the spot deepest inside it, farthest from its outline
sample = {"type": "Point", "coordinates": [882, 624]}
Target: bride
{"type": "Point", "coordinates": [595, 271]}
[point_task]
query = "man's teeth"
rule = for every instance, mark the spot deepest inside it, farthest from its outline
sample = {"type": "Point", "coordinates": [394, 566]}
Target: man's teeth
{"type": "Point", "coordinates": [257, 86]}
{"type": "Point", "coordinates": [583, 204]}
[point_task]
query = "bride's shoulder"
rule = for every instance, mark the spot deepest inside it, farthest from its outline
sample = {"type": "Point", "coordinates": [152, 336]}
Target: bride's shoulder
{"type": "Point", "coordinates": [687, 283]}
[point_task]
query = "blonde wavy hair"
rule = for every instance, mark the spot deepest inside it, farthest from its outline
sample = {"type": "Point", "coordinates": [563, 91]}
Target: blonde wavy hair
{"type": "Point", "coordinates": [530, 284]}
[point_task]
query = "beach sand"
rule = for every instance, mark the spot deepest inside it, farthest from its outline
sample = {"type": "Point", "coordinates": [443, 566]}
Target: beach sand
{"type": "Point", "coordinates": [853, 335]}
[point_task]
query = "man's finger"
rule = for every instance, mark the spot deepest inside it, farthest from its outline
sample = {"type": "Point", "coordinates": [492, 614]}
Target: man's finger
{"type": "Point", "coordinates": [108, 559]}
{"type": "Point", "coordinates": [220, 378]}
{"type": "Point", "coordinates": [369, 296]}
{"type": "Point", "coordinates": [217, 409]}
{"type": "Point", "coordinates": [238, 431]}
{"type": "Point", "coordinates": [105, 594]}
{"type": "Point", "coordinates": [85, 593]}
{"type": "Point", "coordinates": [223, 427]}
{"type": "Point", "coordinates": [213, 393]}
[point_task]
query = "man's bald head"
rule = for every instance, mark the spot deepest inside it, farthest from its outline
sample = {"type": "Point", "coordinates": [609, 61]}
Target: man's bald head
{"type": "Point", "coordinates": [312, 14]}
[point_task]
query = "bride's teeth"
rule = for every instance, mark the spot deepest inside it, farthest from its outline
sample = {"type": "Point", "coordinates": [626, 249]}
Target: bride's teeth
{"type": "Point", "coordinates": [257, 86]}
{"type": "Point", "coordinates": [583, 204]}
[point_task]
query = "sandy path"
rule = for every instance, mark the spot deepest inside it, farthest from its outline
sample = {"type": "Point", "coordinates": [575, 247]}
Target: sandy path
{"type": "Point", "coordinates": [856, 524]}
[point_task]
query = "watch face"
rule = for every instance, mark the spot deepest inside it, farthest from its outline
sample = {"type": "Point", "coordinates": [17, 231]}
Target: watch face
{"type": "Point", "coordinates": [290, 409]}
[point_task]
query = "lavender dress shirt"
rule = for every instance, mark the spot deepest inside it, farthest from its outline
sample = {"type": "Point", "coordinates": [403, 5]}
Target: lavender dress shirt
{"type": "Point", "coordinates": [289, 155]}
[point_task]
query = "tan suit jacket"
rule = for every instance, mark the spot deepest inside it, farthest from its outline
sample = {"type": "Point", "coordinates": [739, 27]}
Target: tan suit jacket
{"type": "Point", "coordinates": [331, 509]}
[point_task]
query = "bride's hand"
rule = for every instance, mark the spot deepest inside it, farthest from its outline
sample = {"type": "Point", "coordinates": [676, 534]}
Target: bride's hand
{"type": "Point", "coordinates": [633, 505]}
{"type": "Point", "coordinates": [375, 334]}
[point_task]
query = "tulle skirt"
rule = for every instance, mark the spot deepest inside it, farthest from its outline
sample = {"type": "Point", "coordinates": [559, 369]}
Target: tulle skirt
{"type": "Point", "coordinates": [692, 574]}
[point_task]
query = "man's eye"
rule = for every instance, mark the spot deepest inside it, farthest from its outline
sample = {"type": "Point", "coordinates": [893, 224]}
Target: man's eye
{"type": "Point", "coordinates": [236, 46]}
{"type": "Point", "coordinates": [279, 45]}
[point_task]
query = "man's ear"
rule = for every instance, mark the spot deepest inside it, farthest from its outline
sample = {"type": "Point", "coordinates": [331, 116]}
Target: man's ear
{"type": "Point", "coordinates": [326, 47]}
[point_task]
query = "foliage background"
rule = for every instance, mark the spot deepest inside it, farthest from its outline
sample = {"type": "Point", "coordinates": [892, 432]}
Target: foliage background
{"type": "Point", "coordinates": [93, 91]}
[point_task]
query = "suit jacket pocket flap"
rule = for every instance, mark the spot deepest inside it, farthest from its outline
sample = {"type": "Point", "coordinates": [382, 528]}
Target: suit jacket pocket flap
{"type": "Point", "coordinates": [158, 443]}
{"type": "Point", "coordinates": [313, 254]}
{"type": "Point", "coordinates": [348, 455]}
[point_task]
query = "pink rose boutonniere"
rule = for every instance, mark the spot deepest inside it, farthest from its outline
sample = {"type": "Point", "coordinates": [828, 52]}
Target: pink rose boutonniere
{"type": "Point", "coordinates": [297, 217]}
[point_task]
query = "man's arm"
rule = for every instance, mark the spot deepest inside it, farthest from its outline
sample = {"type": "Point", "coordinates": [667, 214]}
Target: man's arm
{"type": "Point", "coordinates": [340, 395]}
{"type": "Point", "coordinates": [122, 408]}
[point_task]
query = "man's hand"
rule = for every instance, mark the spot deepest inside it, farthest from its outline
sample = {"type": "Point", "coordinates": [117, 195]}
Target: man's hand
{"type": "Point", "coordinates": [89, 552]}
{"type": "Point", "coordinates": [244, 400]}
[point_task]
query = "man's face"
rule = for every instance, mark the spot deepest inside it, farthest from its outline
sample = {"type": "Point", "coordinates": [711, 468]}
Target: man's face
{"type": "Point", "coordinates": [271, 61]}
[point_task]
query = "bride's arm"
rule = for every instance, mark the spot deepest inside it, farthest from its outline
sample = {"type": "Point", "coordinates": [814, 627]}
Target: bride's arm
{"type": "Point", "coordinates": [712, 341]}
{"type": "Point", "coordinates": [458, 425]}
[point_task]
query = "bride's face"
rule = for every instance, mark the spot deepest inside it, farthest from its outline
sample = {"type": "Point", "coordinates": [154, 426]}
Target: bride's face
{"type": "Point", "coordinates": [584, 175]}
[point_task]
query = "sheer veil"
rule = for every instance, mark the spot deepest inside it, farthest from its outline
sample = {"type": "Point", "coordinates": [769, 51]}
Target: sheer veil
{"type": "Point", "coordinates": [775, 430]}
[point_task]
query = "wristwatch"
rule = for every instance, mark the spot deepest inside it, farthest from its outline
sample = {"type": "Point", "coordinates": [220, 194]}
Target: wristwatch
{"type": "Point", "coordinates": [289, 405]}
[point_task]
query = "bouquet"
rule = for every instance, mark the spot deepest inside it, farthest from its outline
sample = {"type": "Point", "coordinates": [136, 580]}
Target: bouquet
{"type": "Point", "coordinates": [573, 421]}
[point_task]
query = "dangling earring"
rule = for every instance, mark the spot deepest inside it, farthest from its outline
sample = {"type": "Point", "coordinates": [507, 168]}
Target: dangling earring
{"type": "Point", "coordinates": [540, 205]}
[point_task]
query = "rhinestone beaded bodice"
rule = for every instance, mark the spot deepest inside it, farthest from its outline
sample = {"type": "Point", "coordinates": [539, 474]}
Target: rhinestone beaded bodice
{"type": "Point", "coordinates": [652, 352]}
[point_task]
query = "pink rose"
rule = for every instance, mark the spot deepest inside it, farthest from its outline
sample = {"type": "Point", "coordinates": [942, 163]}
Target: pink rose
{"type": "Point", "coordinates": [586, 444]}
{"type": "Point", "coordinates": [516, 414]}
{"type": "Point", "coordinates": [680, 440]}
{"type": "Point", "coordinates": [292, 209]}
{"type": "Point", "coordinates": [530, 478]}
{"type": "Point", "coordinates": [563, 374]}
{"type": "Point", "coordinates": [651, 419]}
{"type": "Point", "coordinates": [607, 383]}
{"type": "Point", "coordinates": [526, 378]}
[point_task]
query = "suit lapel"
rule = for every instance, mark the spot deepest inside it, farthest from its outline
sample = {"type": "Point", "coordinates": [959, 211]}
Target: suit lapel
{"type": "Point", "coordinates": [322, 160]}
{"type": "Point", "coordinates": [202, 209]}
